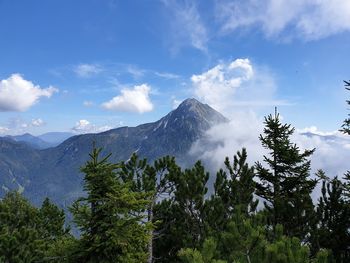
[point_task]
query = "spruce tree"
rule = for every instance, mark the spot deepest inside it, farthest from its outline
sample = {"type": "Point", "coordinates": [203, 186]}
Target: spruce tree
{"type": "Point", "coordinates": [109, 217]}
{"type": "Point", "coordinates": [285, 181]}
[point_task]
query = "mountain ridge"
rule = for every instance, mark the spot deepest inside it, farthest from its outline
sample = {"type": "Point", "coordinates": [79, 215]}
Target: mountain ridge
{"type": "Point", "coordinates": [54, 172]}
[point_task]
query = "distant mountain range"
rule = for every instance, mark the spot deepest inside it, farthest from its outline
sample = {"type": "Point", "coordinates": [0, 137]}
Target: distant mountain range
{"type": "Point", "coordinates": [44, 141]}
{"type": "Point", "coordinates": [38, 169]}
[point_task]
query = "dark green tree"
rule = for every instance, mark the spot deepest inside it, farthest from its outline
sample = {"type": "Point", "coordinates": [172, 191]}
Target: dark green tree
{"type": "Point", "coordinates": [20, 239]}
{"type": "Point", "coordinates": [234, 190]}
{"type": "Point", "coordinates": [53, 221]}
{"type": "Point", "coordinates": [285, 181]}
{"type": "Point", "coordinates": [333, 226]}
{"type": "Point", "coordinates": [206, 255]}
{"type": "Point", "coordinates": [58, 241]}
{"type": "Point", "coordinates": [110, 216]}
{"type": "Point", "coordinates": [157, 180]}
{"type": "Point", "coordinates": [181, 218]}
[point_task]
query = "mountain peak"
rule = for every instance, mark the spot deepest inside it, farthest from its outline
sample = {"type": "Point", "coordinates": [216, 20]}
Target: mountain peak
{"type": "Point", "coordinates": [194, 108]}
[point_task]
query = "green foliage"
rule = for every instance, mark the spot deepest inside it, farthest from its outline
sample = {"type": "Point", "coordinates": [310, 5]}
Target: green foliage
{"type": "Point", "coordinates": [286, 183]}
{"type": "Point", "coordinates": [53, 219]}
{"type": "Point", "coordinates": [29, 234]}
{"type": "Point", "coordinates": [110, 216]}
{"type": "Point", "coordinates": [157, 181]}
{"type": "Point", "coordinates": [333, 215]}
{"type": "Point", "coordinates": [19, 232]}
{"type": "Point", "coordinates": [346, 124]}
{"type": "Point", "coordinates": [233, 192]}
{"type": "Point", "coordinates": [205, 256]}
{"type": "Point", "coordinates": [244, 238]}
{"type": "Point", "coordinates": [181, 218]}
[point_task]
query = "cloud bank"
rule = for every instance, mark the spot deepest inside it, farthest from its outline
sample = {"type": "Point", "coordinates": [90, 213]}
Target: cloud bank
{"type": "Point", "coordinates": [18, 94]}
{"type": "Point", "coordinates": [131, 100]}
{"type": "Point", "coordinates": [229, 86]}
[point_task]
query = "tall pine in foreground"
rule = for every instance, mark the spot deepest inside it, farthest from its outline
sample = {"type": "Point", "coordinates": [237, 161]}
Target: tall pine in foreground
{"type": "Point", "coordinates": [285, 181]}
{"type": "Point", "coordinates": [109, 217]}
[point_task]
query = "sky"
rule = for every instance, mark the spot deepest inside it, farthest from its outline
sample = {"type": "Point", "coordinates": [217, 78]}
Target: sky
{"type": "Point", "coordinates": [92, 65]}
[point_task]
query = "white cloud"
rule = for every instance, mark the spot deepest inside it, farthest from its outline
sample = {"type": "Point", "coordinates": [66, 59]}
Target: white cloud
{"type": "Point", "coordinates": [332, 148]}
{"type": "Point", "coordinates": [310, 19]}
{"type": "Point", "coordinates": [176, 103]}
{"type": "Point", "coordinates": [84, 126]}
{"type": "Point", "coordinates": [135, 71]}
{"type": "Point", "coordinates": [187, 28]}
{"type": "Point", "coordinates": [3, 130]}
{"type": "Point", "coordinates": [166, 75]}
{"type": "Point", "coordinates": [332, 153]}
{"type": "Point", "coordinates": [227, 138]}
{"type": "Point", "coordinates": [131, 100]}
{"type": "Point", "coordinates": [315, 130]}
{"type": "Point", "coordinates": [238, 83]}
{"type": "Point", "coordinates": [88, 103]}
{"type": "Point", "coordinates": [37, 122]}
{"type": "Point", "coordinates": [87, 70]}
{"type": "Point", "coordinates": [18, 94]}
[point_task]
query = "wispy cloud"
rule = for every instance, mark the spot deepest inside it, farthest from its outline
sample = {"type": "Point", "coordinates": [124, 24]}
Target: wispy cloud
{"type": "Point", "coordinates": [135, 71]}
{"type": "Point", "coordinates": [166, 75]}
{"type": "Point", "coordinates": [87, 70]}
{"type": "Point", "coordinates": [88, 103]}
{"type": "Point", "coordinates": [37, 122]}
{"type": "Point", "coordinates": [309, 19]}
{"type": "Point", "coordinates": [18, 94]}
{"type": "Point", "coordinates": [187, 28]}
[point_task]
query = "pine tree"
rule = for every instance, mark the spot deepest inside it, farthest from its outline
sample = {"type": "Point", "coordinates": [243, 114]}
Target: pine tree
{"type": "Point", "coordinates": [285, 182]}
{"type": "Point", "coordinates": [156, 180]}
{"type": "Point", "coordinates": [234, 190]}
{"type": "Point", "coordinates": [110, 216]}
{"type": "Point", "coordinates": [333, 226]}
{"type": "Point", "coordinates": [206, 255]}
{"type": "Point", "coordinates": [244, 239]}
{"type": "Point", "coordinates": [181, 220]}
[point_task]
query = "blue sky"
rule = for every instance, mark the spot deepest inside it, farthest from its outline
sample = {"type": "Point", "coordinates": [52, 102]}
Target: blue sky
{"type": "Point", "coordinates": [91, 65]}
